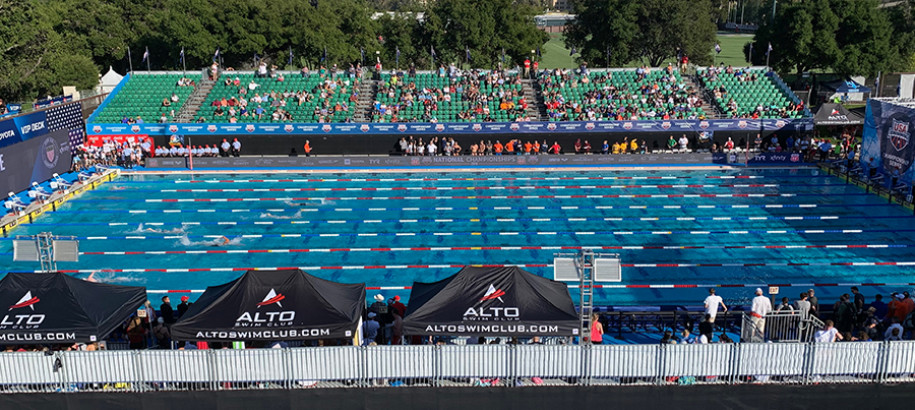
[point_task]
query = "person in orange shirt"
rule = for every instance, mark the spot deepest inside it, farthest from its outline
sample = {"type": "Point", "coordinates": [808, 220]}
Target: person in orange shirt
{"type": "Point", "coordinates": [528, 147]}
{"type": "Point", "coordinates": [510, 147]}
{"type": "Point", "coordinates": [497, 148]}
{"type": "Point", "coordinates": [895, 308]}
{"type": "Point", "coordinates": [307, 148]}
{"type": "Point", "coordinates": [908, 306]}
{"type": "Point", "coordinates": [536, 147]}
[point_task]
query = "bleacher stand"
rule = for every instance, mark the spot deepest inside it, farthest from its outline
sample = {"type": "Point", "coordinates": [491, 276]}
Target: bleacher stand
{"type": "Point", "coordinates": [459, 96]}
{"type": "Point", "coordinates": [749, 93]}
{"type": "Point", "coordinates": [640, 94]}
{"type": "Point", "coordinates": [143, 97]}
{"type": "Point", "coordinates": [248, 98]}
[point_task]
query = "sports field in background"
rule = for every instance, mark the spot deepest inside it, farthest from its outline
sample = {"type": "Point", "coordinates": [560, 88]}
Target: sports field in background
{"type": "Point", "coordinates": [556, 55]}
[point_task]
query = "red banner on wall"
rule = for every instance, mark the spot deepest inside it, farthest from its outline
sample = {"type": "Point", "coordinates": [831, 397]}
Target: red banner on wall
{"type": "Point", "coordinates": [98, 140]}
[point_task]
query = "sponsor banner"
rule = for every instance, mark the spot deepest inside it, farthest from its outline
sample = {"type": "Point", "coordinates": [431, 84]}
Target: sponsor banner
{"type": "Point", "coordinates": [442, 161]}
{"type": "Point", "coordinates": [758, 158]}
{"type": "Point", "coordinates": [887, 141]}
{"type": "Point", "coordinates": [453, 128]}
{"type": "Point", "coordinates": [52, 101]}
{"type": "Point", "coordinates": [98, 140]}
{"type": "Point", "coordinates": [34, 160]}
{"type": "Point", "coordinates": [12, 109]}
{"type": "Point", "coordinates": [23, 128]}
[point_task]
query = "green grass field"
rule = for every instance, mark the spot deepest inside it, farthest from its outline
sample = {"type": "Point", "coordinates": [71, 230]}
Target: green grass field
{"type": "Point", "coordinates": [556, 55]}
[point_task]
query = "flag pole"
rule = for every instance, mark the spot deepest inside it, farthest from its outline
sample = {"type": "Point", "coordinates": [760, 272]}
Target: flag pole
{"type": "Point", "coordinates": [129, 60]}
{"type": "Point", "coordinates": [147, 60]}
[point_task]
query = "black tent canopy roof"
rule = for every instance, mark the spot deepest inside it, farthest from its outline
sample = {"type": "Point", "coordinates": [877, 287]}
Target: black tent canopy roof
{"type": "Point", "coordinates": [273, 305]}
{"type": "Point", "coordinates": [484, 301]}
{"type": "Point", "coordinates": [40, 308]}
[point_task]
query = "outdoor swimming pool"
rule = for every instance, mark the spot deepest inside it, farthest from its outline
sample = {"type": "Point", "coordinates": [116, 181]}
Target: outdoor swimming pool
{"type": "Point", "coordinates": [683, 228]}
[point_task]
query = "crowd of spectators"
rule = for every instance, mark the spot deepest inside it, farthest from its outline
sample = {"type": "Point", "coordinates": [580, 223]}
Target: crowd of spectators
{"type": "Point", "coordinates": [450, 147]}
{"type": "Point", "coordinates": [126, 154]}
{"type": "Point", "coordinates": [764, 102]}
{"type": "Point", "coordinates": [269, 95]}
{"type": "Point", "coordinates": [579, 95]}
{"type": "Point", "coordinates": [451, 94]}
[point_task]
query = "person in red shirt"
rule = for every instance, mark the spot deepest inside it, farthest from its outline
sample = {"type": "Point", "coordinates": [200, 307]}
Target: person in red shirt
{"type": "Point", "coordinates": [397, 306]}
{"type": "Point", "coordinates": [555, 149]}
{"type": "Point", "coordinates": [578, 146]}
{"type": "Point", "coordinates": [527, 67]}
{"type": "Point", "coordinates": [536, 65]}
{"type": "Point", "coordinates": [307, 148]}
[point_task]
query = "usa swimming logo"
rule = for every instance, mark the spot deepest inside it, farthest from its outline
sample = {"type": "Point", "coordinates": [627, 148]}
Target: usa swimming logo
{"type": "Point", "coordinates": [898, 133]}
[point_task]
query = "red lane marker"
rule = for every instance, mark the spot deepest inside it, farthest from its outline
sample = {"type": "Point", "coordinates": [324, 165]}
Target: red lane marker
{"type": "Point", "coordinates": [199, 270]}
{"type": "Point", "coordinates": [686, 286]}
{"type": "Point", "coordinates": [299, 250]}
{"type": "Point", "coordinates": [339, 249]}
{"type": "Point", "coordinates": [886, 263]}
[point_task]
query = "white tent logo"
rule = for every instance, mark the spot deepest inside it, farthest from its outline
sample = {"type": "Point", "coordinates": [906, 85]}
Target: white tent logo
{"type": "Point", "coordinates": [26, 300]}
{"type": "Point", "coordinates": [493, 293]}
{"type": "Point", "coordinates": [271, 298]}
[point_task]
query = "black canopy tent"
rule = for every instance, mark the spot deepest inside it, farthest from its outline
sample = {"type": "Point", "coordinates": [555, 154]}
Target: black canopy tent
{"type": "Point", "coordinates": [836, 114]}
{"type": "Point", "coordinates": [482, 301]}
{"type": "Point", "coordinates": [273, 305]}
{"type": "Point", "coordinates": [40, 308]}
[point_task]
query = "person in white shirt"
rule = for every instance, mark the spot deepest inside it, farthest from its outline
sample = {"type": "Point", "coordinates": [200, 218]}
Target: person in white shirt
{"type": "Point", "coordinates": [684, 143]}
{"type": "Point", "coordinates": [712, 302]}
{"type": "Point", "coordinates": [828, 334]}
{"type": "Point", "coordinates": [894, 332]}
{"type": "Point", "coordinates": [761, 307]}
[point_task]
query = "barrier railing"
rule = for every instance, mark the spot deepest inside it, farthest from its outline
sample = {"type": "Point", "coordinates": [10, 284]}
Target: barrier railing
{"type": "Point", "coordinates": [782, 326]}
{"type": "Point", "coordinates": [472, 365]}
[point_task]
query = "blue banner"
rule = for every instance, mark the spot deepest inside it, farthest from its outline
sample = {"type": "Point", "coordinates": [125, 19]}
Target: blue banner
{"type": "Point", "coordinates": [759, 158]}
{"type": "Point", "coordinates": [52, 101]}
{"type": "Point", "coordinates": [887, 140]}
{"type": "Point", "coordinates": [673, 126]}
{"type": "Point", "coordinates": [23, 128]}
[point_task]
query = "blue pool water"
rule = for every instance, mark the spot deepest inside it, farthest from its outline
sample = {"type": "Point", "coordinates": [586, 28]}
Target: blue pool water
{"type": "Point", "coordinates": [335, 225]}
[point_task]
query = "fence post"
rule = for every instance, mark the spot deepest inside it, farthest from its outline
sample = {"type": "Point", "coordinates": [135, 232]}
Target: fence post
{"type": "Point", "coordinates": [139, 383]}
{"type": "Point", "coordinates": [61, 377]}
{"type": "Point", "coordinates": [735, 363]}
{"type": "Point", "coordinates": [809, 360]}
{"type": "Point", "coordinates": [882, 358]}
{"type": "Point", "coordinates": [661, 358]}
{"type": "Point", "coordinates": [584, 374]}
{"type": "Point", "coordinates": [214, 371]}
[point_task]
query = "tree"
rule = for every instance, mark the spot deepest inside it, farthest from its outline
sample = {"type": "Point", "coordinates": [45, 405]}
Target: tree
{"type": "Point", "coordinates": [35, 59]}
{"type": "Point", "coordinates": [848, 37]}
{"type": "Point", "coordinates": [650, 31]}
{"type": "Point", "coordinates": [484, 27]}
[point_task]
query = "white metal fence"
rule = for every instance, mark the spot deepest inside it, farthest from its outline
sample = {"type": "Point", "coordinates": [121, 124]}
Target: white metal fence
{"type": "Point", "coordinates": [473, 365]}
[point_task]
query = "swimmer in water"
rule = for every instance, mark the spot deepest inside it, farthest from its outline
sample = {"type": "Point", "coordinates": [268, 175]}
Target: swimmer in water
{"type": "Point", "coordinates": [179, 230]}
{"type": "Point", "coordinates": [220, 241]}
